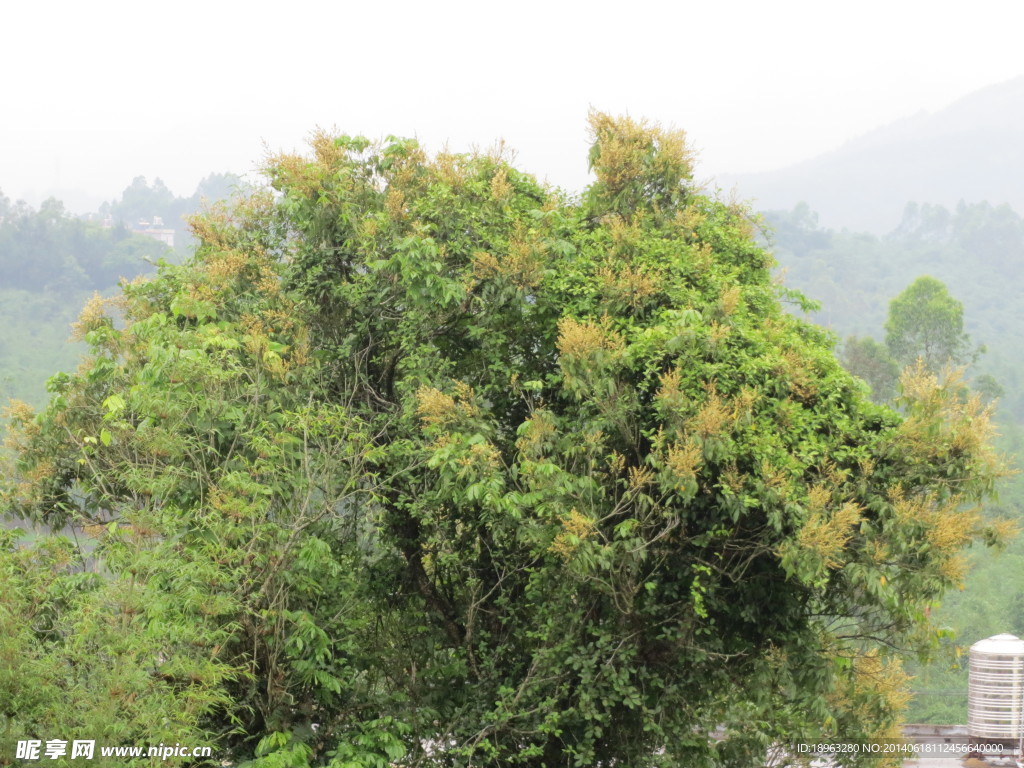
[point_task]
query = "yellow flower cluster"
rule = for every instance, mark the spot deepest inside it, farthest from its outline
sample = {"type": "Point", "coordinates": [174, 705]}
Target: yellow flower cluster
{"type": "Point", "coordinates": [536, 432]}
{"type": "Point", "coordinates": [483, 457]}
{"type": "Point", "coordinates": [522, 263]}
{"type": "Point", "coordinates": [576, 528]}
{"type": "Point", "coordinates": [684, 461]}
{"type": "Point", "coordinates": [825, 534]}
{"type": "Point", "coordinates": [580, 340]}
{"type": "Point", "coordinates": [222, 267]}
{"type": "Point", "coordinates": [713, 415]}
{"type": "Point", "coordinates": [394, 203]}
{"type": "Point", "coordinates": [729, 300]}
{"type": "Point", "coordinates": [627, 147]}
{"type": "Point", "coordinates": [628, 284]}
{"type": "Point", "coordinates": [92, 316]}
{"type": "Point", "coordinates": [436, 408]}
{"type": "Point", "coordinates": [501, 189]}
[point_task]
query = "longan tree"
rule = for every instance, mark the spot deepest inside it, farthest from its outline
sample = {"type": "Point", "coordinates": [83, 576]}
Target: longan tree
{"type": "Point", "coordinates": [440, 466]}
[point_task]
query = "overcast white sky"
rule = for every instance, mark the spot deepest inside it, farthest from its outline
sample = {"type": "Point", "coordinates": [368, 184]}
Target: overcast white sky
{"type": "Point", "coordinates": [95, 93]}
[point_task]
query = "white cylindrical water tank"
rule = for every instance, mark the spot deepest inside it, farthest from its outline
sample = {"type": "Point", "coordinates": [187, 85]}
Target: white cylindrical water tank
{"type": "Point", "coordinates": [995, 688]}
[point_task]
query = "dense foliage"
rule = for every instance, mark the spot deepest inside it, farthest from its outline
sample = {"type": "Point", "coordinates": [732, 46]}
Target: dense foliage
{"type": "Point", "coordinates": [419, 461]}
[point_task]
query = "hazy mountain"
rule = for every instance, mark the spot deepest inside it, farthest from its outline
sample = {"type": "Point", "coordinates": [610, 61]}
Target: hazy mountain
{"type": "Point", "coordinates": [972, 150]}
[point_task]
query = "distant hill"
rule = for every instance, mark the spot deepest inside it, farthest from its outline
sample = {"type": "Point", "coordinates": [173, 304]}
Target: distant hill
{"type": "Point", "coordinates": [972, 150]}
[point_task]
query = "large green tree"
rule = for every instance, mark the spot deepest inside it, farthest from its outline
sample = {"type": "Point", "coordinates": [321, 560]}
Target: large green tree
{"type": "Point", "coordinates": [926, 322]}
{"type": "Point", "coordinates": [420, 461]}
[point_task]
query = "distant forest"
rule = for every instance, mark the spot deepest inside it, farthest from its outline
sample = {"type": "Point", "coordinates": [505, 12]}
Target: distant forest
{"type": "Point", "coordinates": [51, 260]}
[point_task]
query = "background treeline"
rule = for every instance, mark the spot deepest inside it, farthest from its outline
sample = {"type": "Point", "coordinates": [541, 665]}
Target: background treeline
{"type": "Point", "coordinates": [47, 250]}
{"type": "Point", "coordinates": [977, 251]}
{"type": "Point", "coordinates": [141, 201]}
{"type": "Point", "coordinates": [51, 260]}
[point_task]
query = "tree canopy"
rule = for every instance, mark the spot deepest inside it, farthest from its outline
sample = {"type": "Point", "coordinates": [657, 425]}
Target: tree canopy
{"type": "Point", "coordinates": [418, 461]}
{"type": "Point", "coordinates": [926, 322]}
